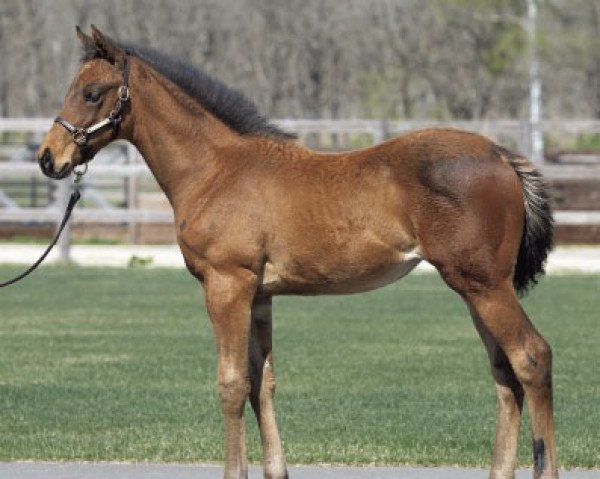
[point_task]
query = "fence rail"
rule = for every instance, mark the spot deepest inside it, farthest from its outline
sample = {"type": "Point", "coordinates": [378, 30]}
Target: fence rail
{"type": "Point", "coordinates": [124, 162]}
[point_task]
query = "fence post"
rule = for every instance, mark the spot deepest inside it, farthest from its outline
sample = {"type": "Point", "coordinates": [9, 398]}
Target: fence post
{"type": "Point", "coordinates": [524, 138]}
{"type": "Point", "coordinates": [63, 192]}
{"type": "Point", "coordinates": [132, 191]}
{"type": "Point", "coordinates": [380, 132]}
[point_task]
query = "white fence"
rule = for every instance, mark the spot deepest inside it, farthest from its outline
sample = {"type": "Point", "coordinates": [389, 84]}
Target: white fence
{"type": "Point", "coordinates": [123, 161]}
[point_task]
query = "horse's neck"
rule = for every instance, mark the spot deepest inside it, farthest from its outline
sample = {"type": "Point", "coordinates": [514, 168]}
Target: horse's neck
{"type": "Point", "coordinates": [178, 140]}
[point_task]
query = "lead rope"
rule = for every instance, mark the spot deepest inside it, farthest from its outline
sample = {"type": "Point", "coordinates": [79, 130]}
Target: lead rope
{"type": "Point", "coordinates": [75, 196]}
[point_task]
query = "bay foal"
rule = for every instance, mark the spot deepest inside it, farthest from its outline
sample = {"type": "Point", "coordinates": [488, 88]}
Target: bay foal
{"type": "Point", "coordinates": [258, 215]}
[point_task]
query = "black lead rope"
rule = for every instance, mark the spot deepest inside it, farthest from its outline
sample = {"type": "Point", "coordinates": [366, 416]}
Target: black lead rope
{"type": "Point", "coordinates": [75, 196]}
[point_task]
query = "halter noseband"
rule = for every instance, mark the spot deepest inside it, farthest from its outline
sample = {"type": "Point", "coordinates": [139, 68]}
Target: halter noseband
{"type": "Point", "coordinates": [81, 134]}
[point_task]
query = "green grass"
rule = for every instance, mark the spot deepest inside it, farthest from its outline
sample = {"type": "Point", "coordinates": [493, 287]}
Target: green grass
{"type": "Point", "coordinates": [108, 364]}
{"type": "Point", "coordinates": [588, 141]}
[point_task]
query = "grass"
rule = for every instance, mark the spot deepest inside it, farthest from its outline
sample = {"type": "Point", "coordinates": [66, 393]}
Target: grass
{"type": "Point", "coordinates": [108, 364]}
{"type": "Point", "coordinates": [588, 141]}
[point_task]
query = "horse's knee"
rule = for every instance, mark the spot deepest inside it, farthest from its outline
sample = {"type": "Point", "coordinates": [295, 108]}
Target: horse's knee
{"type": "Point", "coordinates": [233, 391]}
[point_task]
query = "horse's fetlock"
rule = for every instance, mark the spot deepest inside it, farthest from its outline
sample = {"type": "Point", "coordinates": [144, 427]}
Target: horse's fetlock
{"type": "Point", "coordinates": [502, 474]}
{"type": "Point", "coordinates": [274, 468]}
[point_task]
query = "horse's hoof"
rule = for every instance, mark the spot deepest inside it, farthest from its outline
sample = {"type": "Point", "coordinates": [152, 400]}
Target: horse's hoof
{"type": "Point", "coordinates": [279, 475]}
{"type": "Point", "coordinates": [502, 474]}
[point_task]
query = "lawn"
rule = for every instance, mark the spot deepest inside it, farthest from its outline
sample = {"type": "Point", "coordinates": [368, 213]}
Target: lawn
{"type": "Point", "coordinates": [110, 364]}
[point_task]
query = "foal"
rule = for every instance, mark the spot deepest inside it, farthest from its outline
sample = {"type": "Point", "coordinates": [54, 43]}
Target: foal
{"type": "Point", "coordinates": [258, 215]}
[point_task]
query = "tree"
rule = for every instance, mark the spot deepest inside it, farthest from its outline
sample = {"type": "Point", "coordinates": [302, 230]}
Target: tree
{"type": "Point", "coordinates": [318, 58]}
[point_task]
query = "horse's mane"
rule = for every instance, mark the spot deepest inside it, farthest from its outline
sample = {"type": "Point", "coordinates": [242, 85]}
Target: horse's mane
{"type": "Point", "coordinates": [227, 104]}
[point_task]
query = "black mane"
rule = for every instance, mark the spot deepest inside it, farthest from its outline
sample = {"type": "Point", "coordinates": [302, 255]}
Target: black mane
{"type": "Point", "coordinates": [227, 104]}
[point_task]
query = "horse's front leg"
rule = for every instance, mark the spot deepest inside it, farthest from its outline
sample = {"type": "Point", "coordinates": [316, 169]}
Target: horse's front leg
{"type": "Point", "coordinates": [262, 377]}
{"type": "Point", "coordinates": [228, 299]}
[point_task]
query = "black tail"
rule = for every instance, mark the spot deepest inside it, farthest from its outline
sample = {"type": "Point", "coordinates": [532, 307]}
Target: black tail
{"type": "Point", "coordinates": [538, 224]}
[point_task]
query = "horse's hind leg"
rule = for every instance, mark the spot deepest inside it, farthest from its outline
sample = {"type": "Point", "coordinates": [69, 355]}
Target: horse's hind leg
{"type": "Point", "coordinates": [498, 313]}
{"type": "Point", "coordinates": [510, 404]}
{"type": "Point", "coordinates": [262, 391]}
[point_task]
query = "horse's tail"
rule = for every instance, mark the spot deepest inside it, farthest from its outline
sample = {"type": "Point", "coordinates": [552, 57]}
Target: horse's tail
{"type": "Point", "coordinates": [538, 224]}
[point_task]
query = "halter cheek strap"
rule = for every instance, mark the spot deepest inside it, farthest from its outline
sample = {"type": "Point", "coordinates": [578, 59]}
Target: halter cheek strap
{"type": "Point", "coordinates": [82, 134]}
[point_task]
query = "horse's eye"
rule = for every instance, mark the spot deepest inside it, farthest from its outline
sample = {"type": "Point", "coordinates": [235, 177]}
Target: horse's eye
{"type": "Point", "coordinates": [92, 96]}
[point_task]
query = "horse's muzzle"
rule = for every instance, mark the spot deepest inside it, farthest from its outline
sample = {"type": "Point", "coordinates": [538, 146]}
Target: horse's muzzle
{"type": "Point", "coordinates": [46, 162]}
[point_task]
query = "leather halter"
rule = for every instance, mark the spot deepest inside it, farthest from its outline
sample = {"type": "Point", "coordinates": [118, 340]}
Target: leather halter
{"type": "Point", "coordinates": [82, 134]}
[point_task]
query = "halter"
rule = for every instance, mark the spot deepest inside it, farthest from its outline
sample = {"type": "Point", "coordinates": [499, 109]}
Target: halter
{"type": "Point", "coordinates": [82, 134]}
{"type": "Point", "coordinates": [80, 137]}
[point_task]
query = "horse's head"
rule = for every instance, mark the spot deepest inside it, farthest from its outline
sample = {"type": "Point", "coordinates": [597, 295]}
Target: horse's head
{"type": "Point", "coordinates": [93, 109]}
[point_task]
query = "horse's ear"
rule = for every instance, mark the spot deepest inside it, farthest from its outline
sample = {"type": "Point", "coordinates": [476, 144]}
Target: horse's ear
{"type": "Point", "coordinates": [88, 44]}
{"type": "Point", "coordinates": [86, 40]}
{"type": "Point", "coordinates": [106, 47]}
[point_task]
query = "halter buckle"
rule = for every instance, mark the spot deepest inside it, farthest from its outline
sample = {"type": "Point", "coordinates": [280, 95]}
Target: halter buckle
{"type": "Point", "coordinates": [80, 136]}
{"type": "Point", "coordinates": [123, 93]}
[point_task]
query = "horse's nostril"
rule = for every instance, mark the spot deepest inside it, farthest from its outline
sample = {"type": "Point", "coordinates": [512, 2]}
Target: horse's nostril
{"type": "Point", "coordinates": [47, 156]}
{"type": "Point", "coordinates": [46, 161]}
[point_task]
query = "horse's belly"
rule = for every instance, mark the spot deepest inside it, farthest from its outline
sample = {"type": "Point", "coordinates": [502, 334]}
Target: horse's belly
{"type": "Point", "coordinates": [303, 278]}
